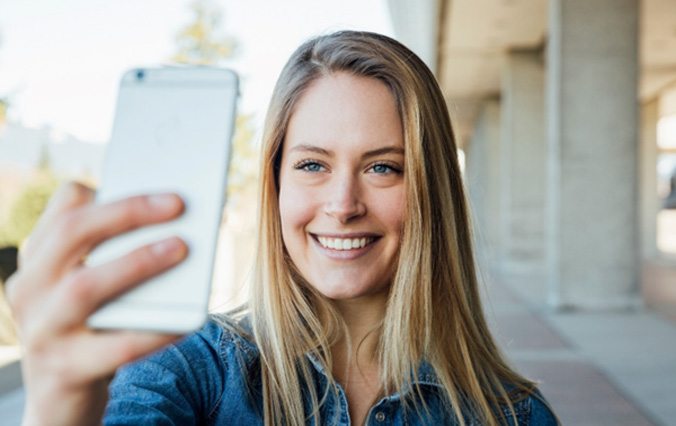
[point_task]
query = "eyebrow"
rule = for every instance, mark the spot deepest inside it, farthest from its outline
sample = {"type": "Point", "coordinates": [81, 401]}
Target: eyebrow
{"type": "Point", "coordinates": [368, 154]}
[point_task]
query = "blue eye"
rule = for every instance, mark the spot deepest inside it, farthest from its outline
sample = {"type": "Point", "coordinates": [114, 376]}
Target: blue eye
{"type": "Point", "coordinates": [309, 166]}
{"type": "Point", "coordinates": [384, 169]}
{"type": "Point", "coordinates": [381, 168]}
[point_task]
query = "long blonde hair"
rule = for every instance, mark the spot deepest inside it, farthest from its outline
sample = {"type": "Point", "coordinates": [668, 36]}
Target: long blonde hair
{"type": "Point", "coordinates": [433, 312]}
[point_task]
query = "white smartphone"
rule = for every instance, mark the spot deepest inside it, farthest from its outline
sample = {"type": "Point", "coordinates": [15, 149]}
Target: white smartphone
{"type": "Point", "coordinates": [172, 133]}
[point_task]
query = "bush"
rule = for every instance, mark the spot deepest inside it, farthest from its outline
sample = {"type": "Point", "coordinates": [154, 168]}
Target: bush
{"type": "Point", "coordinates": [26, 209]}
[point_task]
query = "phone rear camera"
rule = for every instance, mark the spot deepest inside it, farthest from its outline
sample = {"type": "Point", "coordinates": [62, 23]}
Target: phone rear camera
{"type": "Point", "coordinates": [140, 75]}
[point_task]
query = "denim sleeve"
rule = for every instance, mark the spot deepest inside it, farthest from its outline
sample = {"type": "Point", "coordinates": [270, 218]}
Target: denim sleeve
{"type": "Point", "coordinates": [179, 385]}
{"type": "Point", "coordinates": [541, 414]}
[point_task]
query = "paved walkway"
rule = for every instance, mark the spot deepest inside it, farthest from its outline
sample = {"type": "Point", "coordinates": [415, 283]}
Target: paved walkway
{"type": "Point", "coordinates": [608, 368]}
{"type": "Point", "coordinates": [612, 368]}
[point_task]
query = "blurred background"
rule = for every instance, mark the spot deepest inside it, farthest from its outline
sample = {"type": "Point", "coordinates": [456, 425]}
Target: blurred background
{"type": "Point", "coordinates": [565, 117]}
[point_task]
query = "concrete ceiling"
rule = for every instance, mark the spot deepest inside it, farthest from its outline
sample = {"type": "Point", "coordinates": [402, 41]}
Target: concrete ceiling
{"type": "Point", "coordinates": [475, 35]}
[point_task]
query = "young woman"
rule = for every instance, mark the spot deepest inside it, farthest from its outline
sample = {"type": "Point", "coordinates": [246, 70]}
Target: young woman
{"type": "Point", "coordinates": [364, 306]}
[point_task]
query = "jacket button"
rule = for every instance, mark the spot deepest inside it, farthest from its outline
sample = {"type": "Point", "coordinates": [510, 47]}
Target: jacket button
{"type": "Point", "coordinates": [380, 416]}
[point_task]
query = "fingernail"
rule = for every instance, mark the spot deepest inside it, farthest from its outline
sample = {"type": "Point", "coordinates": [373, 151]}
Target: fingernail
{"type": "Point", "coordinates": [171, 247]}
{"type": "Point", "coordinates": [163, 201]}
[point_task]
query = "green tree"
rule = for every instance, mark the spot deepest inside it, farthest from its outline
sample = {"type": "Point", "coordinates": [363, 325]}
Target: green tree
{"type": "Point", "coordinates": [202, 41]}
{"type": "Point", "coordinates": [4, 104]}
{"type": "Point", "coordinates": [27, 208]}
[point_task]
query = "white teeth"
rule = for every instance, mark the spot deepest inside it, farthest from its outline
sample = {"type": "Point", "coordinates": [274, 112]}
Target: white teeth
{"type": "Point", "coordinates": [344, 243]}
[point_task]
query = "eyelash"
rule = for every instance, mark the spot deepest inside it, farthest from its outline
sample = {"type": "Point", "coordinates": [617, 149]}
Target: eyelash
{"type": "Point", "coordinates": [391, 167]}
{"type": "Point", "coordinates": [303, 166]}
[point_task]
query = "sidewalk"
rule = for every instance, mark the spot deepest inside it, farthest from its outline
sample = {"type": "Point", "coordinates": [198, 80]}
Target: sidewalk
{"type": "Point", "coordinates": [608, 368]}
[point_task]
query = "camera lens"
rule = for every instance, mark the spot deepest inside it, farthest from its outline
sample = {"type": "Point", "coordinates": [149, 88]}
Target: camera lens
{"type": "Point", "coordinates": [140, 74]}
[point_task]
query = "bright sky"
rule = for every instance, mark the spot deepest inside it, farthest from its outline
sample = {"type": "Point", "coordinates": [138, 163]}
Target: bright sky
{"type": "Point", "coordinates": [60, 60]}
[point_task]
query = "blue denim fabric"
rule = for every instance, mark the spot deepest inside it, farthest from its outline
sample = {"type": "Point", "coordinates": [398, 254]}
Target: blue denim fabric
{"type": "Point", "coordinates": [212, 378]}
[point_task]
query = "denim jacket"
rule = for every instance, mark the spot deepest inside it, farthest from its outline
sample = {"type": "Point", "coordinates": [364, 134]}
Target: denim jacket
{"type": "Point", "coordinates": [200, 381]}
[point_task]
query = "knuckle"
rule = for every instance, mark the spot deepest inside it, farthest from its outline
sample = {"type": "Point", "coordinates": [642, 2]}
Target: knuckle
{"type": "Point", "coordinates": [143, 262]}
{"type": "Point", "coordinates": [69, 194]}
{"type": "Point", "coordinates": [68, 223]}
{"type": "Point", "coordinates": [78, 191]}
{"type": "Point", "coordinates": [65, 228]}
{"type": "Point", "coordinates": [78, 286]}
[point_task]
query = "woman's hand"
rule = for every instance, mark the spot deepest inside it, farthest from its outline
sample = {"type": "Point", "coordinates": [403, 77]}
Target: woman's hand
{"type": "Point", "coordinates": [66, 366]}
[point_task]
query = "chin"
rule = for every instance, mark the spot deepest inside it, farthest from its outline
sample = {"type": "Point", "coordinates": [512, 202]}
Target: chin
{"type": "Point", "coordinates": [341, 292]}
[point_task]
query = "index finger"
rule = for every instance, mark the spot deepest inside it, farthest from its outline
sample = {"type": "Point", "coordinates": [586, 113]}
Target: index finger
{"type": "Point", "coordinates": [68, 196]}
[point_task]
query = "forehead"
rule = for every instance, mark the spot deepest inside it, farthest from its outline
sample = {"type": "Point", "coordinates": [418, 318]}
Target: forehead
{"type": "Point", "coordinates": [343, 110]}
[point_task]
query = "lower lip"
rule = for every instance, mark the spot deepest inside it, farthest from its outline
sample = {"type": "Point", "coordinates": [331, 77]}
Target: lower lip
{"type": "Point", "coordinates": [344, 254]}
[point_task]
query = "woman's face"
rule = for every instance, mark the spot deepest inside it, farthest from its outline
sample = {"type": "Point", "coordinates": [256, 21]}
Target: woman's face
{"type": "Point", "coordinates": [342, 186]}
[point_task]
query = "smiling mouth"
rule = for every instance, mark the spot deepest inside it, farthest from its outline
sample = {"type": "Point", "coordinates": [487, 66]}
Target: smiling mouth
{"type": "Point", "coordinates": [342, 244]}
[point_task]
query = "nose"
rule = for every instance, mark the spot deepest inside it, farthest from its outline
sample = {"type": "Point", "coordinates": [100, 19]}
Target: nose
{"type": "Point", "coordinates": [343, 200]}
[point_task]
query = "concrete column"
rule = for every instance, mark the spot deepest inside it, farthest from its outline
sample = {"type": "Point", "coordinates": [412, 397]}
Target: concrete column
{"type": "Point", "coordinates": [522, 159]}
{"type": "Point", "coordinates": [592, 113]}
{"type": "Point", "coordinates": [483, 180]}
{"type": "Point", "coordinates": [416, 25]}
{"type": "Point", "coordinates": [650, 206]}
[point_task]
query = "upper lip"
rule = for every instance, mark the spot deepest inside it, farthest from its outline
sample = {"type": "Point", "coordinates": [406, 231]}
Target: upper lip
{"type": "Point", "coordinates": [347, 235]}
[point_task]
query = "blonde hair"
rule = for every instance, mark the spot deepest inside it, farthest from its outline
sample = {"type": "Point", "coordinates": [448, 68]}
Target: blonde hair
{"type": "Point", "coordinates": [433, 312]}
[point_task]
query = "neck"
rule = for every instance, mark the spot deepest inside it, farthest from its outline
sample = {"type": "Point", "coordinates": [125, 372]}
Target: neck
{"type": "Point", "coordinates": [358, 350]}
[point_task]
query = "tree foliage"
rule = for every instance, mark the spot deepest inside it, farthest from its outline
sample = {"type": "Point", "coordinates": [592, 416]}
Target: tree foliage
{"type": "Point", "coordinates": [27, 208]}
{"type": "Point", "coordinates": [202, 41]}
{"type": "Point", "coordinates": [4, 104]}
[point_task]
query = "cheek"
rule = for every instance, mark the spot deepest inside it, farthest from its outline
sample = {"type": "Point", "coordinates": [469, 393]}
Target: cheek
{"type": "Point", "coordinates": [294, 210]}
{"type": "Point", "coordinates": [392, 210]}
